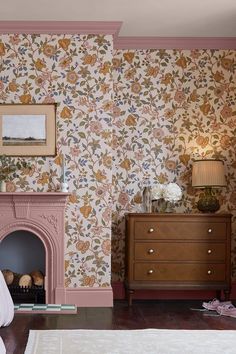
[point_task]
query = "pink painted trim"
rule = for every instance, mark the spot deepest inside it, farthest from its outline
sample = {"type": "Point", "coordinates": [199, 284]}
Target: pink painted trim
{"type": "Point", "coordinates": [90, 297]}
{"type": "Point", "coordinates": [61, 27]}
{"type": "Point", "coordinates": [119, 293]}
{"type": "Point", "coordinates": [175, 43]}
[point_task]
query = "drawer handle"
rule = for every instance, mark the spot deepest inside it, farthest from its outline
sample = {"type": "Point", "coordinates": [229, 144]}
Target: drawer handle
{"type": "Point", "coordinates": [150, 271]}
{"type": "Point", "coordinates": [150, 251]}
{"type": "Point", "coordinates": [209, 231]}
{"type": "Point", "coordinates": [209, 272]}
{"type": "Point", "coordinates": [151, 230]}
{"type": "Point", "coordinates": [209, 251]}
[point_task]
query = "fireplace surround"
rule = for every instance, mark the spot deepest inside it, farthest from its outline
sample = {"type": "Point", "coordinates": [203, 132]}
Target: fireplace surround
{"type": "Point", "coordinates": [43, 215]}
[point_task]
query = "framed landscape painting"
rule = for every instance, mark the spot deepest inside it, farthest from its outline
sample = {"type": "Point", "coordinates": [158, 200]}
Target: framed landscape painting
{"type": "Point", "coordinates": [28, 130]}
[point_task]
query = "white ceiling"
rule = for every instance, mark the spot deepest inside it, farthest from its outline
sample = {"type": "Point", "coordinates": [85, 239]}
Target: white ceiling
{"type": "Point", "coordinates": [158, 18]}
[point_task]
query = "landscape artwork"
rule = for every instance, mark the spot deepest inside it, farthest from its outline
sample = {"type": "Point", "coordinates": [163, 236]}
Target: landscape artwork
{"type": "Point", "coordinates": [18, 130]}
{"type": "Point", "coordinates": [28, 129]}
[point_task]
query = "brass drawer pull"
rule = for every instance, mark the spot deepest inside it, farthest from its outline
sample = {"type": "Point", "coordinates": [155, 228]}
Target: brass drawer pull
{"type": "Point", "coordinates": [150, 251]}
{"type": "Point", "coordinates": [209, 231]}
{"type": "Point", "coordinates": [150, 271]}
{"type": "Point", "coordinates": [150, 230]}
{"type": "Point", "coordinates": [209, 272]}
{"type": "Point", "coordinates": [209, 251]}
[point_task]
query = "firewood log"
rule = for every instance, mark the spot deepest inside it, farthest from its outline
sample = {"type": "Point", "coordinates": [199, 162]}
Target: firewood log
{"type": "Point", "coordinates": [8, 276]}
{"type": "Point", "coordinates": [38, 278]}
{"type": "Point", "coordinates": [25, 280]}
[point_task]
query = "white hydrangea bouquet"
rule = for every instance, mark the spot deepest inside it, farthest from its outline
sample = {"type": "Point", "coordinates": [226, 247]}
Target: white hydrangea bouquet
{"type": "Point", "coordinates": [166, 193]}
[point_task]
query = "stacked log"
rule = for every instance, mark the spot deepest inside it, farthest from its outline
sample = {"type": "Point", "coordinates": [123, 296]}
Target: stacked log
{"type": "Point", "coordinates": [36, 278]}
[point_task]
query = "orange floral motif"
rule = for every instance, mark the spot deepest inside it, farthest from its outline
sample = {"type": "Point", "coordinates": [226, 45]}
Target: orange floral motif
{"type": "Point", "coordinates": [170, 165]}
{"type": "Point", "coordinates": [67, 264]}
{"type": "Point", "coordinates": [136, 87]}
{"type": "Point", "coordinates": [116, 63]}
{"type": "Point", "coordinates": [26, 98]}
{"type": "Point", "coordinates": [184, 159]}
{"type": "Point", "coordinates": [107, 161]}
{"type": "Point", "coordinates": [226, 63]}
{"type": "Point", "coordinates": [44, 179]}
{"type": "Point", "coordinates": [129, 56]}
{"type": "Point", "coordinates": [86, 210]}
{"type": "Point", "coordinates": [182, 62]}
{"type": "Point", "coordinates": [49, 50]}
{"type": "Point", "coordinates": [200, 140]}
{"type": "Point", "coordinates": [99, 176]}
{"type": "Point", "coordinates": [167, 79]}
{"type": "Point", "coordinates": [88, 280]}
{"type": "Point", "coordinates": [39, 64]}
{"type": "Point", "coordinates": [152, 71]}
{"type": "Point", "coordinates": [105, 69]}
{"type": "Point", "coordinates": [72, 77]}
{"type": "Point", "coordinates": [10, 186]}
{"type": "Point", "coordinates": [73, 198]}
{"type": "Point", "coordinates": [126, 164]}
{"type": "Point", "coordinates": [106, 247]}
{"type": "Point", "coordinates": [82, 246]}
{"type": "Point", "coordinates": [2, 49]}
{"type": "Point", "coordinates": [131, 120]}
{"type": "Point", "coordinates": [138, 198]}
{"type": "Point", "coordinates": [205, 108]}
{"type": "Point", "coordinates": [13, 86]}
{"type": "Point", "coordinates": [218, 76]}
{"type": "Point", "coordinates": [194, 96]}
{"type": "Point", "coordinates": [226, 111]}
{"type": "Point", "coordinates": [64, 43]}
{"type": "Point", "coordinates": [225, 142]}
{"type": "Point", "coordinates": [66, 113]}
{"type": "Point", "coordinates": [90, 59]}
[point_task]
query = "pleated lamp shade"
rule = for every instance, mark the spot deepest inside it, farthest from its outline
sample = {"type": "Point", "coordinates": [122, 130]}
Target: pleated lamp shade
{"type": "Point", "coordinates": [208, 173]}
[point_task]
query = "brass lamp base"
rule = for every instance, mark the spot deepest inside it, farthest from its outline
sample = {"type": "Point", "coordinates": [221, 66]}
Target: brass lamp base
{"type": "Point", "coordinates": [208, 203]}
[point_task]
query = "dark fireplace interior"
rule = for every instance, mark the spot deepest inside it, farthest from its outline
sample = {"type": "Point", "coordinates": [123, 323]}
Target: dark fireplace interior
{"type": "Point", "coordinates": [22, 254]}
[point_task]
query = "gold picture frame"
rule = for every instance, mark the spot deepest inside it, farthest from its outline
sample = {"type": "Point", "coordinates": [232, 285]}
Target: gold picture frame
{"type": "Point", "coordinates": [28, 129]}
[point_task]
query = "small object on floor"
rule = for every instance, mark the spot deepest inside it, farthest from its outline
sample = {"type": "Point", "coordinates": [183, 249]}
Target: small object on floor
{"type": "Point", "coordinates": [45, 308]}
{"type": "Point", "coordinates": [212, 305]}
{"type": "Point", "coordinates": [195, 309]}
{"type": "Point", "coordinates": [227, 310]}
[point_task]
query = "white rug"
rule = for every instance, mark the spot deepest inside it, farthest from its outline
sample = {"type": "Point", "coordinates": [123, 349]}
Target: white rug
{"type": "Point", "coordinates": [146, 341]}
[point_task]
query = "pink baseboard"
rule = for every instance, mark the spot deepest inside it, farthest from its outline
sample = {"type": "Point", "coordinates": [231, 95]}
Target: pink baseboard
{"type": "Point", "coordinates": [119, 293]}
{"type": "Point", "coordinates": [90, 297]}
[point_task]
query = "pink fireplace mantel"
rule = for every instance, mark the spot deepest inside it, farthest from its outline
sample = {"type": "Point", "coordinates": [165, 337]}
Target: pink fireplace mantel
{"type": "Point", "coordinates": [42, 214]}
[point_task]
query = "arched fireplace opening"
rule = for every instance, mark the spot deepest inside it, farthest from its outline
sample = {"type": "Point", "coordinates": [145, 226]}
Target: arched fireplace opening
{"type": "Point", "coordinates": [22, 261]}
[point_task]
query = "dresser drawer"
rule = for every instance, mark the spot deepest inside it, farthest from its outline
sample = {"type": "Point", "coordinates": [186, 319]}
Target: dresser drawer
{"type": "Point", "coordinates": [180, 251]}
{"type": "Point", "coordinates": [159, 230]}
{"type": "Point", "coordinates": [179, 272]}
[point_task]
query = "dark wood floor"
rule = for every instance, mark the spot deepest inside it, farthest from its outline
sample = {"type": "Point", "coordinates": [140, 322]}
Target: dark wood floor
{"type": "Point", "coordinates": [167, 314]}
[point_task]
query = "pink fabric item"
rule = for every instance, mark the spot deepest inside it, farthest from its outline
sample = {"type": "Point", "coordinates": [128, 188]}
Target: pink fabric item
{"type": "Point", "coordinates": [227, 310]}
{"type": "Point", "coordinates": [6, 304]}
{"type": "Point", "coordinates": [2, 347]}
{"type": "Point", "coordinates": [213, 305]}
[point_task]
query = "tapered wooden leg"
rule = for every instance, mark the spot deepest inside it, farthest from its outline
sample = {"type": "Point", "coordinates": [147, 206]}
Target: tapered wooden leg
{"type": "Point", "coordinates": [130, 293]}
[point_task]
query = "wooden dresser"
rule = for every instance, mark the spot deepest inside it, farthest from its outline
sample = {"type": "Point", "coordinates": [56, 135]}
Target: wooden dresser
{"type": "Point", "coordinates": [178, 252]}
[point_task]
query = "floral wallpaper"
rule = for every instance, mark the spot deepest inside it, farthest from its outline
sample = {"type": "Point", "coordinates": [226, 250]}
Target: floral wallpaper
{"type": "Point", "coordinates": [75, 72]}
{"type": "Point", "coordinates": [170, 106]}
{"type": "Point", "coordinates": [125, 120]}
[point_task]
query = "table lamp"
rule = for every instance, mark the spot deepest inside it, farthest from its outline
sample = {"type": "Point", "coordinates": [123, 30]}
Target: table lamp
{"type": "Point", "coordinates": [208, 174]}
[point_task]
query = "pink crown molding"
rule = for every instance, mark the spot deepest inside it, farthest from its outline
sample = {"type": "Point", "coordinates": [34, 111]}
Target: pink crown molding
{"type": "Point", "coordinates": [175, 43]}
{"type": "Point", "coordinates": [61, 27]}
{"type": "Point", "coordinates": [113, 28]}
